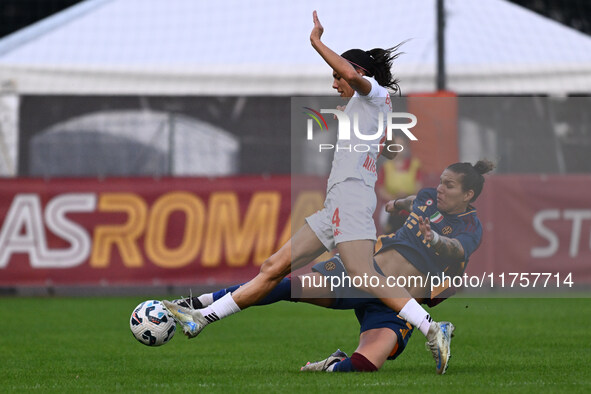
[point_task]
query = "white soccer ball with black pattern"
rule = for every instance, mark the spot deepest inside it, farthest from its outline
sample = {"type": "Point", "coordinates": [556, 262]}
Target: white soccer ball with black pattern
{"type": "Point", "coordinates": [151, 324]}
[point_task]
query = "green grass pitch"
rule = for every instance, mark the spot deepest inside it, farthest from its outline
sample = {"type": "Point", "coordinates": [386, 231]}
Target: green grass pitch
{"type": "Point", "coordinates": [84, 344]}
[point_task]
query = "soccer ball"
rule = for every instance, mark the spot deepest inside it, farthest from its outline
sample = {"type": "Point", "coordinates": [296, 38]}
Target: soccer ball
{"type": "Point", "coordinates": [151, 324]}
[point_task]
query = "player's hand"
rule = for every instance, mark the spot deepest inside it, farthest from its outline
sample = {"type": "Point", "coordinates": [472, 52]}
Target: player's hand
{"type": "Point", "coordinates": [318, 29]}
{"type": "Point", "coordinates": [425, 228]}
{"type": "Point", "coordinates": [390, 208]}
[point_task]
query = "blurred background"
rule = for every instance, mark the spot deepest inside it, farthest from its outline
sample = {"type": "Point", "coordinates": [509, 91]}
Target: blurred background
{"type": "Point", "coordinates": [148, 143]}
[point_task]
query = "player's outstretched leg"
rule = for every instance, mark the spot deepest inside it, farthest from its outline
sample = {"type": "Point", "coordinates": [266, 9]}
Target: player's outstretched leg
{"type": "Point", "coordinates": [439, 340]}
{"type": "Point", "coordinates": [191, 320]}
{"type": "Point", "coordinates": [323, 365]}
{"type": "Point", "coordinates": [281, 292]}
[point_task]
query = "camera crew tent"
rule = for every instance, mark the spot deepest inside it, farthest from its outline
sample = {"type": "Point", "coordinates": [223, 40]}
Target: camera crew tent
{"type": "Point", "coordinates": [134, 143]}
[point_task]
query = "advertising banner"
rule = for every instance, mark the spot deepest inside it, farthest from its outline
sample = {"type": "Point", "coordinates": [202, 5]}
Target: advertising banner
{"type": "Point", "coordinates": [535, 224]}
{"type": "Point", "coordinates": [141, 230]}
{"type": "Point", "coordinates": [128, 231]}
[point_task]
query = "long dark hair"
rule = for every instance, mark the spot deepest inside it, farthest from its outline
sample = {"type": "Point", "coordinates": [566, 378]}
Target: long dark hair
{"type": "Point", "coordinates": [472, 175]}
{"type": "Point", "coordinates": [376, 63]}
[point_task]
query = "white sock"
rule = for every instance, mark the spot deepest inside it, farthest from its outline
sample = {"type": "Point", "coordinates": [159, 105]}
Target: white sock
{"type": "Point", "coordinates": [221, 308]}
{"type": "Point", "coordinates": [416, 315]}
{"type": "Point", "coordinates": [206, 299]}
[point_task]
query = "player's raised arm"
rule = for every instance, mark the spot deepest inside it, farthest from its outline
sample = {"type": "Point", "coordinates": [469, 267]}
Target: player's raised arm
{"type": "Point", "coordinates": [445, 246]}
{"type": "Point", "coordinates": [341, 67]}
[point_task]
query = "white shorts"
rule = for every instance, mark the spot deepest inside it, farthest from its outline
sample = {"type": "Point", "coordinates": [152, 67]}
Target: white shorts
{"type": "Point", "coordinates": [347, 214]}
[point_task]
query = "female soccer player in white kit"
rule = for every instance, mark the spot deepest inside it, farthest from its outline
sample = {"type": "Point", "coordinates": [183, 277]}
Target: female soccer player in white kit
{"type": "Point", "coordinates": [347, 218]}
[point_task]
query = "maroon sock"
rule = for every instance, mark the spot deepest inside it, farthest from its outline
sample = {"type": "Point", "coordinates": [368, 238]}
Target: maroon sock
{"type": "Point", "coordinates": [362, 364]}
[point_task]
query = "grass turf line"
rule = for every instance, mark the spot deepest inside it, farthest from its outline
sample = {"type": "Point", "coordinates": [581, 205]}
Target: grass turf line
{"type": "Point", "coordinates": [73, 344]}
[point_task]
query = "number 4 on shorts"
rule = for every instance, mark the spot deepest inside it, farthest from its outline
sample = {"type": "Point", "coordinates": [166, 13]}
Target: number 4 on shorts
{"type": "Point", "coordinates": [335, 218]}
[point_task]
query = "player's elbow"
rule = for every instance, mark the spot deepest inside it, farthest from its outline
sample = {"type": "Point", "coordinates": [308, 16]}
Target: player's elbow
{"type": "Point", "coordinates": [457, 253]}
{"type": "Point", "coordinates": [388, 154]}
{"type": "Point", "coordinates": [351, 76]}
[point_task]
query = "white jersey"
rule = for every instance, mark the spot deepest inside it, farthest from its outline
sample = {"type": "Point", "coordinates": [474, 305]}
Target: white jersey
{"type": "Point", "coordinates": [356, 158]}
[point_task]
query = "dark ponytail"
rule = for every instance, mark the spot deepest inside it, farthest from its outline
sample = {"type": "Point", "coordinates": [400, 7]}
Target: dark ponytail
{"type": "Point", "coordinates": [472, 175]}
{"type": "Point", "coordinates": [376, 63]}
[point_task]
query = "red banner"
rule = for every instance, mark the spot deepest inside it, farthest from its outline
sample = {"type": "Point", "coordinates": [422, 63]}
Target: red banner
{"type": "Point", "coordinates": [535, 224]}
{"type": "Point", "coordinates": [196, 230]}
{"type": "Point", "coordinates": [140, 231]}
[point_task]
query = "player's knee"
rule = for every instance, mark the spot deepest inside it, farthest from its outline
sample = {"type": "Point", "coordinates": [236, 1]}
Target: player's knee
{"type": "Point", "coordinates": [275, 267]}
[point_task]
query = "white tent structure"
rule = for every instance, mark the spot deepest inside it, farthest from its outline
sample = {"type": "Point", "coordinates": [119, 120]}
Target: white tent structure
{"type": "Point", "coordinates": [237, 47]}
{"type": "Point", "coordinates": [261, 47]}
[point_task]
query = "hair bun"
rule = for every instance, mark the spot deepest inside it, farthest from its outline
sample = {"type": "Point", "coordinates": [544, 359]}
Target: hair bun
{"type": "Point", "coordinates": [484, 166]}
